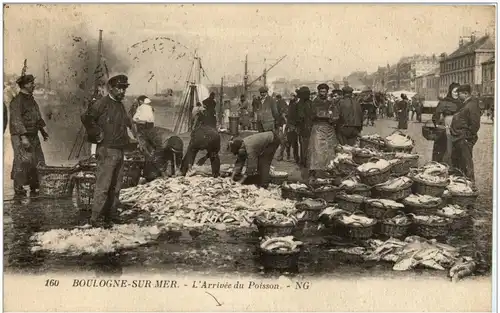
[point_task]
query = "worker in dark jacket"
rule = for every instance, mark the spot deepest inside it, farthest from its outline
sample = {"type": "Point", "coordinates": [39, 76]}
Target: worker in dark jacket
{"type": "Point", "coordinates": [210, 116]}
{"type": "Point", "coordinates": [403, 112]}
{"type": "Point", "coordinates": [350, 122]}
{"type": "Point", "coordinates": [257, 152]}
{"type": "Point", "coordinates": [464, 128]}
{"type": "Point", "coordinates": [281, 124]}
{"type": "Point", "coordinates": [446, 108]}
{"type": "Point", "coordinates": [268, 117]}
{"type": "Point", "coordinates": [106, 122]}
{"type": "Point", "coordinates": [163, 151]}
{"type": "Point", "coordinates": [206, 138]}
{"type": "Point", "coordinates": [304, 122]}
{"type": "Point", "coordinates": [25, 123]}
{"type": "Point", "coordinates": [291, 138]}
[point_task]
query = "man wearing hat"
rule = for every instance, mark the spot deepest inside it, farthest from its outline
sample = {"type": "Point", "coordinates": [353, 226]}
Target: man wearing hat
{"type": "Point", "coordinates": [336, 95]}
{"type": "Point", "coordinates": [323, 139]}
{"type": "Point", "coordinates": [402, 109]}
{"type": "Point", "coordinates": [350, 121]}
{"type": "Point", "coordinates": [291, 141]}
{"type": "Point", "coordinates": [304, 122]}
{"type": "Point", "coordinates": [106, 122]}
{"type": "Point", "coordinates": [463, 129]}
{"type": "Point", "coordinates": [268, 118]}
{"type": "Point", "coordinates": [144, 115]}
{"type": "Point", "coordinates": [25, 123]}
{"type": "Point", "coordinates": [209, 117]}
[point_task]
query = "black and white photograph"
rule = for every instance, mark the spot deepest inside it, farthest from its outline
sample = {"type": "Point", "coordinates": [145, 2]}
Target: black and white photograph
{"type": "Point", "coordinates": [249, 157]}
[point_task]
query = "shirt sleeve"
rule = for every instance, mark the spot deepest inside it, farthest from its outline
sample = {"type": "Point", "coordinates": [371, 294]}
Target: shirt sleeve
{"type": "Point", "coordinates": [16, 119]}
{"type": "Point", "coordinates": [40, 123]}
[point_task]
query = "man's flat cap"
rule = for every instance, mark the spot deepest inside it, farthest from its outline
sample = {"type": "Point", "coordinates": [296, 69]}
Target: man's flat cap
{"type": "Point", "coordinates": [464, 88]}
{"type": "Point", "coordinates": [119, 81]}
{"type": "Point", "coordinates": [323, 86]}
{"type": "Point", "coordinates": [28, 78]}
{"type": "Point", "coordinates": [263, 89]}
{"type": "Point", "coordinates": [347, 90]}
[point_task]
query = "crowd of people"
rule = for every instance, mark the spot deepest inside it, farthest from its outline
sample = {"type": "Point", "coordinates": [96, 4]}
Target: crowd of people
{"type": "Point", "coordinates": [309, 127]}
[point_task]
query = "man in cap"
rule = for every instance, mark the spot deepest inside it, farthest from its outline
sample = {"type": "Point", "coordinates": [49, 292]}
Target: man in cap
{"type": "Point", "coordinates": [268, 117]}
{"type": "Point", "coordinates": [25, 123]}
{"type": "Point", "coordinates": [210, 118]}
{"type": "Point", "coordinates": [350, 122]}
{"type": "Point", "coordinates": [304, 122]}
{"type": "Point", "coordinates": [464, 128]}
{"type": "Point", "coordinates": [244, 114]}
{"type": "Point", "coordinates": [291, 139]}
{"type": "Point", "coordinates": [106, 122]}
{"type": "Point", "coordinates": [336, 95]}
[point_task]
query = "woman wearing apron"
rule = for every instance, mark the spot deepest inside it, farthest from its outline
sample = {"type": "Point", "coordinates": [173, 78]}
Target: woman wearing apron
{"type": "Point", "coordinates": [443, 115]}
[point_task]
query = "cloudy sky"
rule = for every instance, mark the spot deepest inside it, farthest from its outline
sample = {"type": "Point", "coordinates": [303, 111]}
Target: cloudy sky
{"type": "Point", "coordinates": [320, 40]}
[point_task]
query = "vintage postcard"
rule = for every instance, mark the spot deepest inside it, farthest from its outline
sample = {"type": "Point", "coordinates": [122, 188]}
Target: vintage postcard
{"type": "Point", "coordinates": [248, 157]}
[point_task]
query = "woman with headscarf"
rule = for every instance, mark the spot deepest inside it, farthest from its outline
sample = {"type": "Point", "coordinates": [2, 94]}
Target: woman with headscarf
{"type": "Point", "coordinates": [443, 115]}
{"type": "Point", "coordinates": [402, 110]}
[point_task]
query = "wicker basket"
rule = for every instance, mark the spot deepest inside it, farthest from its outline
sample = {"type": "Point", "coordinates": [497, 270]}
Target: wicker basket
{"type": "Point", "coordinates": [379, 211]}
{"type": "Point", "coordinates": [55, 181]}
{"type": "Point", "coordinates": [395, 194]}
{"type": "Point", "coordinates": [356, 231]}
{"type": "Point", "coordinates": [279, 260]}
{"type": "Point", "coordinates": [431, 230]}
{"type": "Point", "coordinates": [315, 184]}
{"type": "Point", "coordinates": [326, 194]}
{"type": "Point", "coordinates": [428, 188]}
{"type": "Point", "coordinates": [432, 133]}
{"type": "Point", "coordinates": [84, 191]}
{"type": "Point", "coordinates": [393, 230]}
{"type": "Point", "coordinates": [459, 222]}
{"type": "Point", "coordinates": [277, 230]}
{"type": "Point", "coordinates": [391, 148]}
{"type": "Point", "coordinates": [132, 171]}
{"type": "Point", "coordinates": [362, 190]}
{"type": "Point", "coordinates": [362, 158]}
{"type": "Point", "coordinates": [422, 209]}
{"type": "Point", "coordinates": [349, 204]}
{"type": "Point", "coordinates": [400, 168]}
{"type": "Point", "coordinates": [367, 143]}
{"type": "Point", "coordinates": [279, 180]}
{"type": "Point", "coordinates": [311, 211]}
{"type": "Point", "coordinates": [375, 176]}
{"type": "Point", "coordinates": [464, 200]}
{"type": "Point", "coordinates": [294, 194]}
{"type": "Point", "coordinates": [346, 168]}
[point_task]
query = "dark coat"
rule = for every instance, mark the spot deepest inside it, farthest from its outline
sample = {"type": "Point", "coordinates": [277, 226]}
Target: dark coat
{"type": "Point", "coordinates": [467, 121]}
{"type": "Point", "coordinates": [351, 113]}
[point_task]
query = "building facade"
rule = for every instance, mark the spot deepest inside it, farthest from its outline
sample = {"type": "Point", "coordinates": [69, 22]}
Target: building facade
{"type": "Point", "coordinates": [427, 85]}
{"type": "Point", "coordinates": [488, 78]}
{"type": "Point", "coordinates": [464, 65]}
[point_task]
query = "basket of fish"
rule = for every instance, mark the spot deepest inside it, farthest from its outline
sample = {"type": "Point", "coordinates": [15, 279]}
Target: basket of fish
{"type": "Point", "coordinates": [355, 226]}
{"type": "Point", "coordinates": [430, 179]}
{"type": "Point", "coordinates": [322, 182]}
{"type": "Point", "coordinates": [132, 170]}
{"type": "Point", "coordinates": [311, 208]}
{"type": "Point", "coordinates": [277, 225]}
{"type": "Point", "coordinates": [351, 203]}
{"type": "Point", "coordinates": [84, 186]}
{"type": "Point", "coordinates": [345, 149]}
{"type": "Point", "coordinates": [422, 204]}
{"type": "Point", "coordinates": [430, 226]}
{"type": "Point", "coordinates": [459, 216]}
{"type": "Point", "coordinates": [364, 155]}
{"type": "Point", "coordinates": [394, 189]}
{"type": "Point", "coordinates": [343, 163]}
{"type": "Point", "coordinates": [396, 226]}
{"type": "Point", "coordinates": [327, 193]}
{"type": "Point", "coordinates": [382, 208]}
{"type": "Point", "coordinates": [280, 253]}
{"type": "Point", "coordinates": [411, 159]}
{"type": "Point", "coordinates": [277, 177]}
{"type": "Point", "coordinates": [399, 142]}
{"type": "Point", "coordinates": [374, 172]}
{"type": "Point", "coordinates": [433, 132]}
{"type": "Point", "coordinates": [462, 191]}
{"type": "Point", "coordinates": [55, 181]}
{"type": "Point", "coordinates": [352, 186]}
{"type": "Point", "coordinates": [296, 192]}
{"type": "Point", "coordinates": [374, 141]}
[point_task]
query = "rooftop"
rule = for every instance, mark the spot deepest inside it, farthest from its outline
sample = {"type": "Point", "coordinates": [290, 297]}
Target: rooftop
{"type": "Point", "coordinates": [483, 43]}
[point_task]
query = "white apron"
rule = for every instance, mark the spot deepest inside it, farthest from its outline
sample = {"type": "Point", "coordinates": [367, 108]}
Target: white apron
{"type": "Point", "coordinates": [447, 154]}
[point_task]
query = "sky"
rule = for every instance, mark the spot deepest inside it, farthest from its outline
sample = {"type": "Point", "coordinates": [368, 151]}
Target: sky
{"type": "Point", "coordinates": [321, 41]}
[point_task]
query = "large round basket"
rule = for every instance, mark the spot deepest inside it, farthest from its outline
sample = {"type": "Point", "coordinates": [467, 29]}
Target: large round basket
{"type": "Point", "coordinates": [361, 190]}
{"type": "Point", "coordinates": [427, 188]}
{"type": "Point", "coordinates": [311, 212]}
{"type": "Point", "coordinates": [431, 132]}
{"type": "Point", "coordinates": [346, 168]}
{"type": "Point", "coordinates": [458, 222]}
{"type": "Point", "coordinates": [400, 168]}
{"type": "Point", "coordinates": [279, 180]}
{"type": "Point", "coordinates": [350, 204]}
{"type": "Point", "coordinates": [434, 230]}
{"type": "Point", "coordinates": [392, 194]}
{"type": "Point", "coordinates": [375, 176]}
{"type": "Point", "coordinates": [315, 184]}
{"type": "Point", "coordinates": [422, 208]}
{"type": "Point", "coordinates": [373, 144]}
{"type": "Point", "coordinates": [295, 194]}
{"type": "Point", "coordinates": [394, 230]}
{"type": "Point", "coordinates": [84, 190]}
{"type": "Point", "coordinates": [377, 209]}
{"type": "Point", "coordinates": [357, 231]}
{"type": "Point", "coordinates": [464, 200]}
{"type": "Point", "coordinates": [279, 260]}
{"type": "Point", "coordinates": [277, 230]}
{"type": "Point", "coordinates": [389, 147]}
{"type": "Point", "coordinates": [327, 193]}
{"type": "Point", "coordinates": [362, 158]}
{"type": "Point", "coordinates": [55, 181]}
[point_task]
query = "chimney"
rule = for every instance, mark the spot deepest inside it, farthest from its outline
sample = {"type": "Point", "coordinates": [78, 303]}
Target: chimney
{"type": "Point", "coordinates": [460, 42]}
{"type": "Point", "coordinates": [473, 37]}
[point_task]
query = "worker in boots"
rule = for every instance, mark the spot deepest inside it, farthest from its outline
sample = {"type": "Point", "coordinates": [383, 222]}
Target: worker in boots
{"type": "Point", "coordinates": [304, 122]}
{"type": "Point", "coordinates": [204, 137]}
{"type": "Point", "coordinates": [256, 152]}
{"type": "Point", "coordinates": [350, 122]}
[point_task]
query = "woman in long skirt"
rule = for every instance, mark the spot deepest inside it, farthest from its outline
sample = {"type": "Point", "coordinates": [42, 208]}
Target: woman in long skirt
{"type": "Point", "coordinates": [402, 112]}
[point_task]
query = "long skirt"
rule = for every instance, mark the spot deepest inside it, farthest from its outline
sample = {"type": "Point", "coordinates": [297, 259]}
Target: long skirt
{"type": "Point", "coordinates": [24, 168]}
{"type": "Point", "coordinates": [443, 145]}
{"type": "Point", "coordinates": [402, 121]}
{"type": "Point", "coordinates": [321, 146]}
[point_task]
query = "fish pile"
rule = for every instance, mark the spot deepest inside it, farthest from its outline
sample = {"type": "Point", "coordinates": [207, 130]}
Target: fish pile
{"type": "Point", "coordinates": [421, 199]}
{"type": "Point", "coordinates": [346, 149]}
{"type": "Point", "coordinates": [333, 211]}
{"type": "Point", "coordinates": [374, 138]}
{"type": "Point", "coordinates": [353, 197]}
{"type": "Point", "coordinates": [380, 164]}
{"type": "Point", "coordinates": [429, 219]}
{"type": "Point", "coordinates": [402, 155]}
{"type": "Point", "coordinates": [400, 219]}
{"type": "Point", "coordinates": [278, 218]}
{"type": "Point", "coordinates": [297, 186]}
{"type": "Point", "coordinates": [432, 172]}
{"type": "Point", "coordinates": [452, 211]}
{"type": "Point", "coordinates": [399, 140]}
{"type": "Point", "coordinates": [461, 185]}
{"type": "Point", "coordinates": [385, 203]}
{"type": "Point", "coordinates": [395, 183]}
{"type": "Point", "coordinates": [355, 219]}
{"type": "Point", "coordinates": [351, 182]}
{"type": "Point", "coordinates": [220, 203]}
{"type": "Point", "coordinates": [275, 244]}
{"type": "Point", "coordinates": [367, 152]}
{"type": "Point", "coordinates": [94, 240]}
{"type": "Point", "coordinates": [343, 157]}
